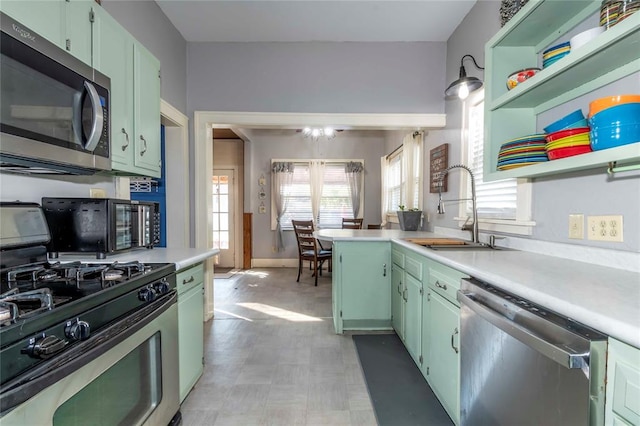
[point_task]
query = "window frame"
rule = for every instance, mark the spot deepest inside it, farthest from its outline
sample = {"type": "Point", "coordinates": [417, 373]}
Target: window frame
{"type": "Point", "coordinates": [523, 223]}
{"type": "Point", "coordinates": [306, 162]}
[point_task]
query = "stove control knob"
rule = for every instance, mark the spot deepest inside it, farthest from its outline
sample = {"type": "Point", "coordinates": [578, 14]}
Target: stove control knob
{"type": "Point", "coordinates": [77, 330]}
{"type": "Point", "coordinates": [161, 287]}
{"type": "Point", "coordinates": [44, 347]}
{"type": "Point", "coordinates": [147, 294]}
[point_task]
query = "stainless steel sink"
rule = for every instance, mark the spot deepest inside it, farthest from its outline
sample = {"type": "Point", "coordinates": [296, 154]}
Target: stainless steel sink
{"type": "Point", "coordinates": [466, 246]}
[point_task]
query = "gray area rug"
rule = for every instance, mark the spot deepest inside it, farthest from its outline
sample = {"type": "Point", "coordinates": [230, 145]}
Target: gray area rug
{"type": "Point", "coordinates": [400, 395]}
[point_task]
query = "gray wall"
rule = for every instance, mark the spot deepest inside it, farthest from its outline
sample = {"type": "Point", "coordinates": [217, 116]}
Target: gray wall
{"type": "Point", "coordinates": [265, 145]}
{"type": "Point", "coordinates": [33, 188]}
{"type": "Point", "coordinates": [146, 22]}
{"type": "Point", "coordinates": [316, 77]}
{"type": "Point", "coordinates": [554, 197]}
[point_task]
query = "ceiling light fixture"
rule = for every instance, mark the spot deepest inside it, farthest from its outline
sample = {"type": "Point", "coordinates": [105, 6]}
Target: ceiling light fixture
{"type": "Point", "coordinates": [316, 133]}
{"type": "Point", "coordinates": [464, 85]}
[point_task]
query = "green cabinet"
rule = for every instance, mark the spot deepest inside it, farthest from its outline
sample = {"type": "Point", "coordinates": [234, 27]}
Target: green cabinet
{"type": "Point", "coordinates": [361, 280]}
{"type": "Point", "coordinates": [622, 406]}
{"type": "Point", "coordinates": [190, 284]}
{"type": "Point", "coordinates": [67, 24]}
{"type": "Point", "coordinates": [443, 370]}
{"type": "Point", "coordinates": [413, 317]}
{"type": "Point", "coordinates": [397, 300]}
{"type": "Point", "coordinates": [519, 44]}
{"type": "Point", "coordinates": [135, 97]}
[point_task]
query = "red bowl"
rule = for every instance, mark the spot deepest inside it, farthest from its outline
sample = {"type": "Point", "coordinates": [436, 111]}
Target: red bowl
{"type": "Point", "coordinates": [555, 154]}
{"type": "Point", "coordinates": [565, 133]}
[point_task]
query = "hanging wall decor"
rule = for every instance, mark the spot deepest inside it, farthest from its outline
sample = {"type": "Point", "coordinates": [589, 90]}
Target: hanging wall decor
{"type": "Point", "coordinates": [438, 161]}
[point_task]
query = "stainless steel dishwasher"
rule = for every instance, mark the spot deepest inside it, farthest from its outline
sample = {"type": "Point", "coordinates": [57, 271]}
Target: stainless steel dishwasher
{"type": "Point", "coordinates": [523, 365]}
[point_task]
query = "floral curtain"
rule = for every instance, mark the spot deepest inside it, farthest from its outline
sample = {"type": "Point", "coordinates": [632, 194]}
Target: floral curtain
{"type": "Point", "coordinates": [281, 179]}
{"type": "Point", "coordinates": [355, 172]}
{"type": "Point", "coordinates": [316, 177]}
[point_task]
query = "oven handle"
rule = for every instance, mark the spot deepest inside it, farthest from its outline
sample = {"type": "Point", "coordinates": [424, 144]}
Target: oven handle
{"type": "Point", "coordinates": [570, 355]}
{"type": "Point", "coordinates": [97, 122]}
{"type": "Point", "coordinates": [27, 385]}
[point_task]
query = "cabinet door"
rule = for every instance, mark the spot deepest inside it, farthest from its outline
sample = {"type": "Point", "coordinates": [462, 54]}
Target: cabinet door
{"type": "Point", "coordinates": [413, 317]}
{"type": "Point", "coordinates": [45, 17]}
{"type": "Point", "coordinates": [365, 278]}
{"type": "Point", "coordinates": [190, 338]}
{"type": "Point", "coordinates": [113, 56]}
{"type": "Point", "coordinates": [147, 111]}
{"type": "Point", "coordinates": [397, 303]}
{"type": "Point", "coordinates": [78, 28]}
{"type": "Point", "coordinates": [425, 339]}
{"type": "Point", "coordinates": [444, 359]}
{"type": "Point", "coordinates": [623, 384]}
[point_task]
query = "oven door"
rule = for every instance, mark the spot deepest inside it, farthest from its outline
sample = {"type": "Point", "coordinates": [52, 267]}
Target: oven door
{"type": "Point", "coordinates": [132, 383]}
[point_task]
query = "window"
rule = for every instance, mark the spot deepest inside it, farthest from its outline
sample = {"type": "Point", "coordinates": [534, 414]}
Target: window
{"type": "Point", "coordinates": [335, 198]}
{"type": "Point", "coordinates": [402, 175]}
{"type": "Point", "coordinates": [506, 202]}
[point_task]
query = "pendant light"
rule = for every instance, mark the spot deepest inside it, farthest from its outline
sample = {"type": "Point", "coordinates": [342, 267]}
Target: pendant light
{"type": "Point", "coordinates": [464, 85]}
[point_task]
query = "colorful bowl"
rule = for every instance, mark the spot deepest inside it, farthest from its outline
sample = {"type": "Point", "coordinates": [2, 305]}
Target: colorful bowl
{"type": "Point", "coordinates": [603, 137]}
{"type": "Point", "coordinates": [570, 141]}
{"type": "Point", "coordinates": [561, 134]}
{"type": "Point", "coordinates": [619, 114]}
{"type": "Point", "coordinates": [585, 37]}
{"type": "Point", "coordinates": [521, 76]}
{"type": "Point", "coordinates": [609, 101]}
{"type": "Point", "coordinates": [568, 152]}
{"type": "Point", "coordinates": [566, 122]}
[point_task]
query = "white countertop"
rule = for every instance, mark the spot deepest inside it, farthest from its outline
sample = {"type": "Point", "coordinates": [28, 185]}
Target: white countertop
{"type": "Point", "coordinates": [606, 299]}
{"type": "Point", "coordinates": [182, 257]}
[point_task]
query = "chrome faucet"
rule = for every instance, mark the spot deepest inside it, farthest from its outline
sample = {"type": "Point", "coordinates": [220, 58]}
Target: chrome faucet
{"type": "Point", "coordinates": [465, 227]}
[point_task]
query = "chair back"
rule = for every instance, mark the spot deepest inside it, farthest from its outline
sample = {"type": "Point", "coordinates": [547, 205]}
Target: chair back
{"type": "Point", "coordinates": [304, 230]}
{"type": "Point", "coordinates": [351, 223]}
{"type": "Point", "coordinates": [374, 226]}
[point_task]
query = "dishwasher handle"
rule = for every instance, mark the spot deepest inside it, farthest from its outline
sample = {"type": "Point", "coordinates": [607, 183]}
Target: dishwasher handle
{"type": "Point", "coordinates": [574, 352]}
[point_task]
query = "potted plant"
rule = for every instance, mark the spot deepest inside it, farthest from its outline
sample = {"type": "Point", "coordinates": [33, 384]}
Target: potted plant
{"type": "Point", "coordinates": [409, 218]}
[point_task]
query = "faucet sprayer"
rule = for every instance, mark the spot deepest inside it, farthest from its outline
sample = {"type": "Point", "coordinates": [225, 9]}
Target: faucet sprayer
{"type": "Point", "coordinates": [474, 229]}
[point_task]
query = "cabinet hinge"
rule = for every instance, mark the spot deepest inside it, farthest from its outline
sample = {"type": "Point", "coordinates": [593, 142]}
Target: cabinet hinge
{"type": "Point", "coordinates": [159, 75]}
{"type": "Point", "coordinates": [340, 314]}
{"type": "Point", "coordinates": [202, 360]}
{"type": "Point", "coordinates": [427, 371]}
{"type": "Point", "coordinates": [340, 258]}
{"type": "Point", "coordinates": [420, 359]}
{"type": "Point", "coordinates": [68, 44]}
{"type": "Point", "coordinates": [421, 292]}
{"type": "Point", "coordinates": [92, 16]}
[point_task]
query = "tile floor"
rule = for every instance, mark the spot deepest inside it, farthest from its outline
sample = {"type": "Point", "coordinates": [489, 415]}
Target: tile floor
{"type": "Point", "coordinates": [272, 358]}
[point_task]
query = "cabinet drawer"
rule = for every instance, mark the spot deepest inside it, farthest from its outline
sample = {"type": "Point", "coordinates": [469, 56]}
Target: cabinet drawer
{"type": "Point", "coordinates": [189, 278]}
{"type": "Point", "coordinates": [445, 281]}
{"type": "Point", "coordinates": [397, 258]}
{"type": "Point", "coordinates": [413, 267]}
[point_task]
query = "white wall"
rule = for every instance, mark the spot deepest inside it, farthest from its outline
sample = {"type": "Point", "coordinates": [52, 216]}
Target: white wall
{"type": "Point", "coordinates": [287, 144]}
{"type": "Point", "coordinates": [33, 188]}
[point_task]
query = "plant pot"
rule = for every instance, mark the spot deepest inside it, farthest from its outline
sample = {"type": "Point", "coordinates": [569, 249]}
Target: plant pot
{"type": "Point", "coordinates": [409, 220]}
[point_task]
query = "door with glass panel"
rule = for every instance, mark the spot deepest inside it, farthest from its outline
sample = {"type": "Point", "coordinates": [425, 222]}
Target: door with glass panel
{"type": "Point", "coordinates": [223, 224]}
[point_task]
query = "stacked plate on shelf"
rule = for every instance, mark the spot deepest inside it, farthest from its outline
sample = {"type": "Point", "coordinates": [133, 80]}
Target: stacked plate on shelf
{"type": "Point", "coordinates": [568, 142]}
{"type": "Point", "coordinates": [614, 121]}
{"type": "Point", "coordinates": [522, 151]}
{"type": "Point", "coordinates": [555, 53]}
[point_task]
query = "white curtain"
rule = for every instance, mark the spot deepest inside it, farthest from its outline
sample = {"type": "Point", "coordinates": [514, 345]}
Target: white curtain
{"type": "Point", "coordinates": [355, 173]}
{"type": "Point", "coordinates": [384, 166]}
{"type": "Point", "coordinates": [281, 179]}
{"type": "Point", "coordinates": [412, 170]}
{"type": "Point", "coordinates": [316, 177]}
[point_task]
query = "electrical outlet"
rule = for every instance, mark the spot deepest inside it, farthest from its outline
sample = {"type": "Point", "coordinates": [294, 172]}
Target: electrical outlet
{"type": "Point", "coordinates": [605, 228]}
{"type": "Point", "coordinates": [576, 226]}
{"type": "Point", "coordinates": [97, 193]}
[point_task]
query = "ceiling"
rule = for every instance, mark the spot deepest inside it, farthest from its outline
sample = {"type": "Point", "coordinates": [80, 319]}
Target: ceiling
{"type": "Point", "coordinates": [309, 20]}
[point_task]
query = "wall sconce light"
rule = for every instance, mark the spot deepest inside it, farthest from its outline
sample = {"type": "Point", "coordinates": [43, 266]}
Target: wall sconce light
{"type": "Point", "coordinates": [316, 133]}
{"type": "Point", "coordinates": [464, 85]}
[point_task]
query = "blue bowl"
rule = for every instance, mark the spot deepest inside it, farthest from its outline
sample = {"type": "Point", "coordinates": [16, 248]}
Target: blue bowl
{"type": "Point", "coordinates": [566, 122]}
{"type": "Point", "coordinates": [615, 126]}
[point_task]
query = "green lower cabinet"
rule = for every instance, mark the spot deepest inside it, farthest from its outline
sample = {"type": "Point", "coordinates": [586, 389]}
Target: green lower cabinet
{"type": "Point", "coordinates": [622, 406]}
{"type": "Point", "coordinates": [397, 305]}
{"type": "Point", "coordinates": [413, 317]}
{"type": "Point", "coordinates": [362, 275]}
{"type": "Point", "coordinates": [443, 370]}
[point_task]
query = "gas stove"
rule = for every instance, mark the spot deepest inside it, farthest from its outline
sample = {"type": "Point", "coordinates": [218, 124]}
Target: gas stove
{"type": "Point", "coordinates": [51, 312]}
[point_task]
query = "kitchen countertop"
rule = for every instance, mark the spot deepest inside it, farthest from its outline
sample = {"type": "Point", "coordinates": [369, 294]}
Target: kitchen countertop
{"type": "Point", "coordinates": [606, 299]}
{"type": "Point", "coordinates": [182, 257]}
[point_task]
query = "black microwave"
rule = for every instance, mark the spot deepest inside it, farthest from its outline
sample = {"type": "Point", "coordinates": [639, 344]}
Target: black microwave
{"type": "Point", "coordinates": [88, 225]}
{"type": "Point", "coordinates": [54, 108]}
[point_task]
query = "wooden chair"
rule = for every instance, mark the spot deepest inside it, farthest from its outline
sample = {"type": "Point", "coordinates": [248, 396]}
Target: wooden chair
{"type": "Point", "coordinates": [351, 223]}
{"type": "Point", "coordinates": [309, 248]}
{"type": "Point", "coordinates": [374, 226]}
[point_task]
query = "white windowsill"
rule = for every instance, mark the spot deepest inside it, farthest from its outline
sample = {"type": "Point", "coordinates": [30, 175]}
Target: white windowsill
{"type": "Point", "coordinates": [507, 226]}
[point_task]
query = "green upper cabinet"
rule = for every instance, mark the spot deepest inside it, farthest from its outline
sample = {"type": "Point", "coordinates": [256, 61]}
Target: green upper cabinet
{"type": "Point", "coordinates": [135, 97]}
{"type": "Point", "coordinates": [113, 56]}
{"type": "Point", "coordinates": [47, 17]}
{"type": "Point", "coordinates": [362, 275]}
{"type": "Point", "coordinates": [519, 44]}
{"type": "Point", "coordinates": [78, 28]}
{"type": "Point", "coordinates": [147, 111]}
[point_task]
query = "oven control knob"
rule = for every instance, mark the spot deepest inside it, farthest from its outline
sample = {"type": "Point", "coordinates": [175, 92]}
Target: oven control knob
{"type": "Point", "coordinates": [161, 287]}
{"type": "Point", "coordinates": [77, 330]}
{"type": "Point", "coordinates": [147, 294]}
{"type": "Point", "coordinates": [44, 347]}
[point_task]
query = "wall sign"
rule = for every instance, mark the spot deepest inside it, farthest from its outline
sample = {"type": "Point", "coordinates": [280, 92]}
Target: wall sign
{"type": "Point", "coordinates": [438, 161]}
